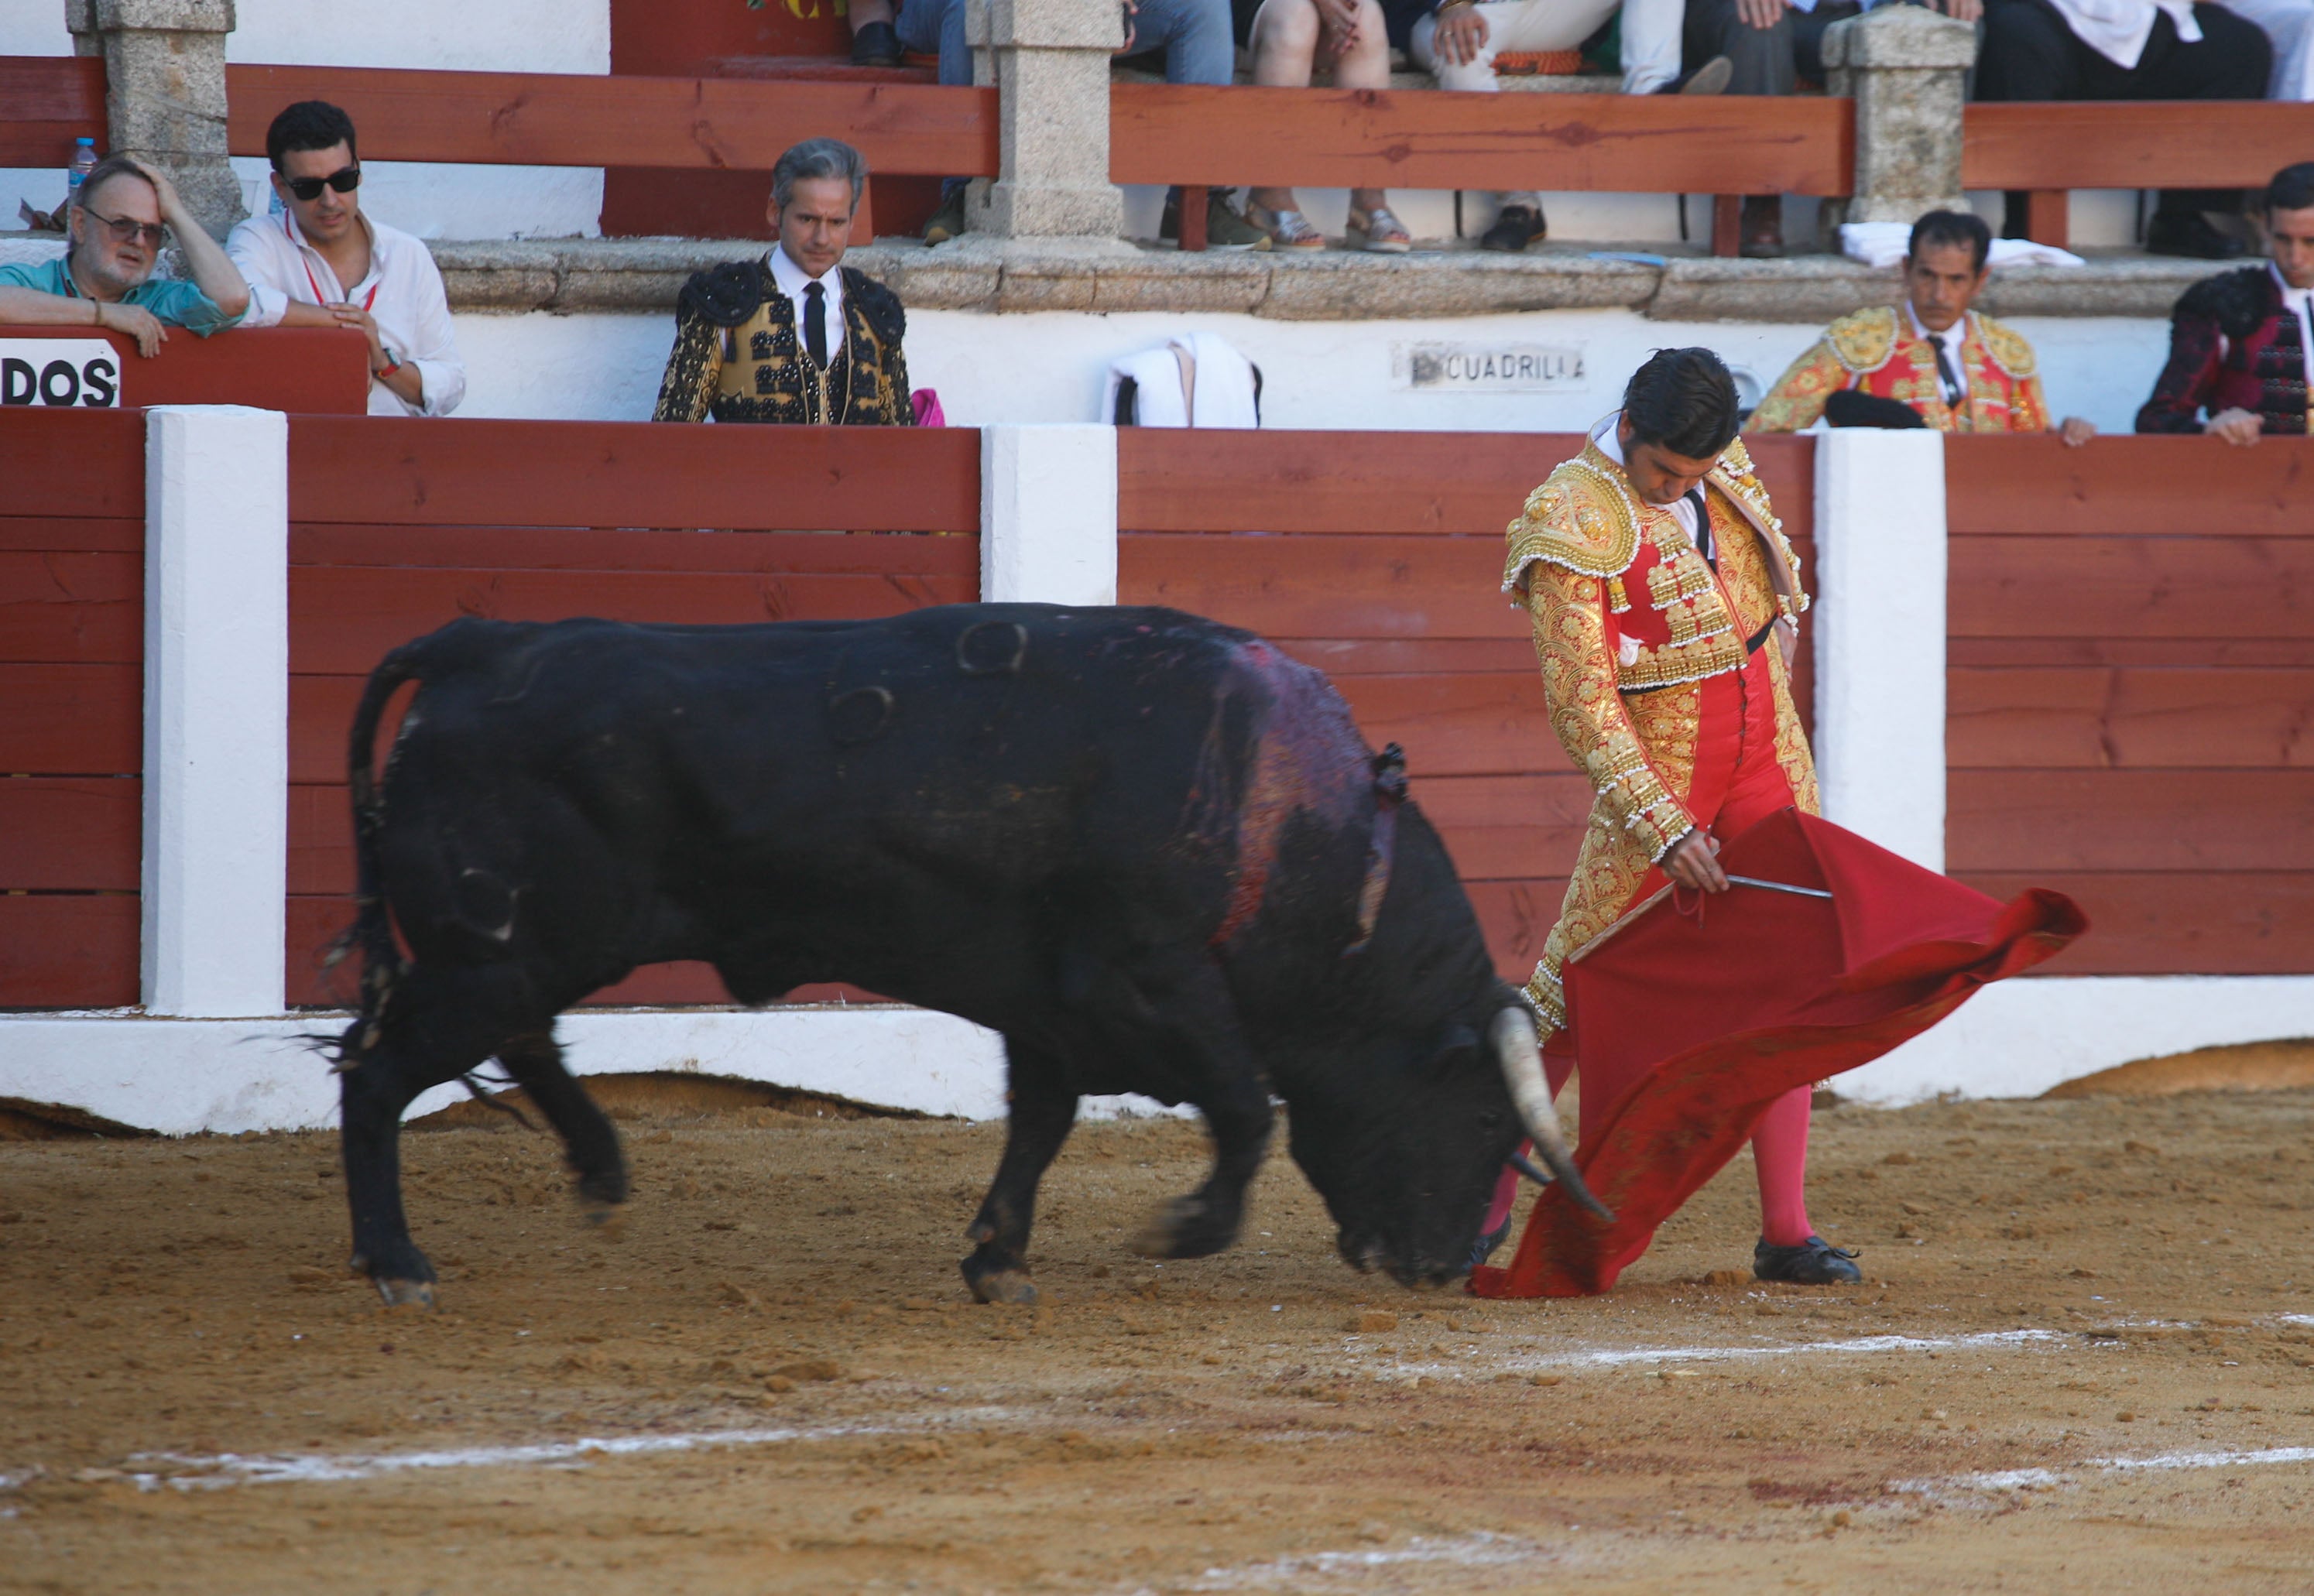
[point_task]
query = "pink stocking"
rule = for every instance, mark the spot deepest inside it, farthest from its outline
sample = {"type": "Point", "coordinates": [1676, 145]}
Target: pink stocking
{"type": "Point", "coordinates": [1779, 1148]}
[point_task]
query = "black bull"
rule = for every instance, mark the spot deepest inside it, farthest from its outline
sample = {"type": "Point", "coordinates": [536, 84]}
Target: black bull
{"type": "Point", "coordinates": [1149, 851]}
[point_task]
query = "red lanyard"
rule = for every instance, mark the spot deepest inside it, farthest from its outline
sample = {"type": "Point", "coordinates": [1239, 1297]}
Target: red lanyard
{"type": "Point", "coordinates": [317, 287]}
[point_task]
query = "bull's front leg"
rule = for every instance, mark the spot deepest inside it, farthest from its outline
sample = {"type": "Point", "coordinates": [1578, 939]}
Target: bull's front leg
{"type": "Point", "coordinates": [1207, 1220]}
{"type": "Point", "coordinates": [1043, 1108]}
{"type": "Point", "coordinates": [372, 1097]}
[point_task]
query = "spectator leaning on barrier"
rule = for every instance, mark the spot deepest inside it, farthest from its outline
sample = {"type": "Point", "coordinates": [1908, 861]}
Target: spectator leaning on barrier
{"type": "Point", "coordinates": [324, 263]}
{"type": "Point", "coordinates": [105, 276]}
{"type": "Point", "coordinates": [1195, 38]}
{"type": "Point", "coordinates": [1773, 44]}
{"type": "Point", "coordinates": [1292, 40]}
{"type": "Point", "coordinates": [2238, 341]}
{"type": "Point", "coordinates": [1456, 41]}
{"type": "Point", "coordinates": [797, 337]}
{"type": "Point", "coordinates": [2128, 49]}
{"type": "Point", "coordinates": [1957, 369]}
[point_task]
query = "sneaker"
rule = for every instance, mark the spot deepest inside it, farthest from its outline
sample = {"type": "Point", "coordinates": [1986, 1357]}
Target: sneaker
{"type": "Point", "coordinates": [947, 222]}
{"type": "Point", "coordinates": [1224, 228]}
{"type": "Point", "coordinates": [2191, 234]}
{"type": "Point", "coordinates": [1813, 1261]}
{"type": "Point", "coordinates": [1711, 78]}
{"type": "Point", "coordinates": [1760, 236]}
{"type": "Point", "coordinates": [1514, 230]}
{"type": "Point", "coordinates": [877, 44]}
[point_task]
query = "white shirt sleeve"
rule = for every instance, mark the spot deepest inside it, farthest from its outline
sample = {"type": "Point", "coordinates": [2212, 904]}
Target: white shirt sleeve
{"type": "Point", "coordinates": [268, 301]}
{"type": "Point", "coordinates": [434, 340]}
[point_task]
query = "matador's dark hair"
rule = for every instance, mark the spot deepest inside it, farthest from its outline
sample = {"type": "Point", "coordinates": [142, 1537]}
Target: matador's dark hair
{"type": "Point", "coordinates": [1943, 229]}
{"type": "Point", "coordinates": [2293, 188]}
{"type": "Point", "coordinates": [1685, 400]}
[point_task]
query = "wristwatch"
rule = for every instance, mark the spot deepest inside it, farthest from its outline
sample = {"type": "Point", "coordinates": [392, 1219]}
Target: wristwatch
{"type": "Point", "coordinates": [388, 369]}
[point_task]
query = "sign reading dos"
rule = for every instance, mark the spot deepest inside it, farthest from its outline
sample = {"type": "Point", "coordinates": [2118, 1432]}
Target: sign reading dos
{"type": "Point", "coordinates": [66, 372]}
{"type": "Point", "coordinates": [1489, 368]}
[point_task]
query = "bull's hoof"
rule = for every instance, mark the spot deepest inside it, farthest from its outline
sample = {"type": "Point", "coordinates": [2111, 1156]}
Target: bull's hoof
{"type": "Point", "coordinates": [1010, 1287]}
{"type": "Point", "coordinates": [406, 1293]}
{"type": "Point", "coordinates": [1184, 1228]}
{"type": "Point", "coordinates": [605, 1222]}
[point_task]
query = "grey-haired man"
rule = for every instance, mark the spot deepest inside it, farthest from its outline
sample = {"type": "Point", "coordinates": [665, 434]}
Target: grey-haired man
{"type": "Point", "coordinates": [797, 337]}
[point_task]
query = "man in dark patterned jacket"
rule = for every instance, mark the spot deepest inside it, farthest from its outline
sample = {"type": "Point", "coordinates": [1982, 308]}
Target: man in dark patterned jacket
{"type": "Point", "coordinates": [2239, 341]}
{"type": "Point", "coordinates": [797, 337]}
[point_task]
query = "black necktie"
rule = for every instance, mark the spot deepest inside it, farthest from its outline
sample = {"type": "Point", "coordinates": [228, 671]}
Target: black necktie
{"type": "Point", "coordinates": [1953, 392]}
{"type": "Point", "coordinates": [815, 322]}
{"type": "Point", "coordinates": [1702, 525]}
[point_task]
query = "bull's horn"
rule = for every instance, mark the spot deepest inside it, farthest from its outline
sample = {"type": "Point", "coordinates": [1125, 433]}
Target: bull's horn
{"type": "Point", "coordinates": [1521, 1055]}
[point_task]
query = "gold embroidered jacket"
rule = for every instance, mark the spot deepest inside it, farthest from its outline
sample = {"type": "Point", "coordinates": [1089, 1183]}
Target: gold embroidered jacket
{"type": "Point", "coordinates": [738, 356]}
{"type": "Point", "coordinates": [1876, 351]}
{"type": "Point", "coordinates": [1629, 619]}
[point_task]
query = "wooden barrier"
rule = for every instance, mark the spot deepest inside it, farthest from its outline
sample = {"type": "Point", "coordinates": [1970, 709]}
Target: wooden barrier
{"type": "Point", "coordinates": [2050, 149]}
{"type": "Point", "coordinates": [72, 647]}
{"type": "Point", "coordinates": [315, 370]}
{"type": "Point", "coordinates": [2131, 662]}
{"type": "Point", "coordinates": [397, 527]}
{"type": "Point", "coordinates": [46, 103]}
{"type": "Point", "coordinates": [1377, 558]}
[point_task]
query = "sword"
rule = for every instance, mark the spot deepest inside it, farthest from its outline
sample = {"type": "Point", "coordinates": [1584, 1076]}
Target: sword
{"type": "Point", "coordinates": [1799, 892]}
{"type": "Point", "coordinates": [1661, 892]}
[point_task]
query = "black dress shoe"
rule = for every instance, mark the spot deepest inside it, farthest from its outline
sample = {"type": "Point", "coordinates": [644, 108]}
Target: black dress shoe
{"type": "Point", "coordinates": [2189, 234]}
{"type": "Point", "coordinates": [1514, 230]}
{"type": "Point", "coordinates": [877, 44]}
{"type": "Point", "coordinates": [1484, 1247]}
{"type": "Point", "coordinates": [1813, 1261]}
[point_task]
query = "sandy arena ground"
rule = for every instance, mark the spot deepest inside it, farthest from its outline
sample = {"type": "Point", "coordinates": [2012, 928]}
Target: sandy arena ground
{"type": "Point", "coordinates": [2081, 1363]}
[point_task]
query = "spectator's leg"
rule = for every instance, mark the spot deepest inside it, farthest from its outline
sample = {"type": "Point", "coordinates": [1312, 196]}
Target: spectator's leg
{"type": "Point", "coordinates": [2289, 26]}
{"type": "Point", "coordinates": [874, 40]}
{"type": "Point", "coordinates": [1196, 37]}
{"type": "Point", "coordinates": [930, 27]}
{"type": "Point", "coordinates": [1364, 63]}
{"type": "Point", "coordinates": [1518, 220]}
{"type": "Point", "coordinates": [1762, 63]}
{"type": "Point", "coordinates": [2028, 53]}
{"type": "Point", "coordinates": [1651, 29]}
{"type": "Point", "coordinates": [2232, 60]}
{"type": "Point", "coordinates": [1808, 34]}
{"type": "Point", "coordinates": [1285, 53]}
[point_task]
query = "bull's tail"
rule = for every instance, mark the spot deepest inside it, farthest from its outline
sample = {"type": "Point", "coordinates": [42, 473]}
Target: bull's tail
{"type": "Point", "coordinates": [372, 933]}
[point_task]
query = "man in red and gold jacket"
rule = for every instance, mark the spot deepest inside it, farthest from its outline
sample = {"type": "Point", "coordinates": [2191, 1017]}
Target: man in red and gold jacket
{"type": "Point", "coordinates": [2238, 341]}
{"type": "Point", "coordinates": [1665, 602]}
{"type": "Point", "coordinates": [1957, 368]}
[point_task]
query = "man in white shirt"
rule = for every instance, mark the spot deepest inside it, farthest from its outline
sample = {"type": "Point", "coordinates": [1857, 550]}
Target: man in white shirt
{"type": "Point", "coordinates": [2129, 49]}
{"type": "Point", "coordinates": [322, 263]}
{"type": "Point", "coordinates": [796, 338]}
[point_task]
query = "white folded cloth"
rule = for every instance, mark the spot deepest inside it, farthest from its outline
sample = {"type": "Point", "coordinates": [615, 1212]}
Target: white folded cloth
{"type": "Point", "coordinates": [1884, 244]}
{"type": "Point", "coordinates": [1195, 380]}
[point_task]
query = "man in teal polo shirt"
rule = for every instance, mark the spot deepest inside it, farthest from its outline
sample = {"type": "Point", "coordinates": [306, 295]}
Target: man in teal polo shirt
{"type": "Point", "coordinates": [105, 279]}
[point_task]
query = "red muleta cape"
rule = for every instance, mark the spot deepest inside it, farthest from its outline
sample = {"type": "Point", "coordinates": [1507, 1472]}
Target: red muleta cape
{"type": "Point", "coordinates": [1744, 997]}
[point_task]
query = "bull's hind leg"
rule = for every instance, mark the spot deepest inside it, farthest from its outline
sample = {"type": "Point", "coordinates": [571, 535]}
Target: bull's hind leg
{"type": "Point", "coordinates": [590, 1146]}
{"type": "Point", "coordinates": [434, 1030]}
{"type": "Point", "coordinates": [1043, 1108]}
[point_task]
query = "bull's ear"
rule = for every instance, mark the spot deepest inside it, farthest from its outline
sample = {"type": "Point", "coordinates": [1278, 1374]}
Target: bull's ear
{"type": "Point", "coordinates": [1453, 1040]}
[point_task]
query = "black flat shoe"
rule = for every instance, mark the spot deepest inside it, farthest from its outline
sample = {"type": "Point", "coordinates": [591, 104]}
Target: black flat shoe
{"type": "Point", "coordinates": [1484, 1247]}
{"type": "Point", "coordinates": [1514, 230]}
{"type": "Point", "coordinates": [1813, 1262]}
{"type": "Point", "coordinates": [877, 44]}
{"type": "Point", "coordinates": [2189, 234]}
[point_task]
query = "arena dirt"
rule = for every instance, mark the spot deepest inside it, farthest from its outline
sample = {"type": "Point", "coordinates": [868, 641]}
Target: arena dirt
{"type": "Point", "coordinates": [2081, 1363]}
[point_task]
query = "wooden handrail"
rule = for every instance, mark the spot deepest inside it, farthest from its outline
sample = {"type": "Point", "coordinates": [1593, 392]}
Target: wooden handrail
{"type": "Point", "coordinates": [1428, 138]}
{"type": "Point", "coordinates": [531, 119]}
{"type": "Point", "coordinates": [47, 102]}
{"type": "Point", "coordinates": [2193, 144]}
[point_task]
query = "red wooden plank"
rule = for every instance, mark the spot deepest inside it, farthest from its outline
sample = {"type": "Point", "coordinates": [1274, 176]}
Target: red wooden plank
{"type": "Point", "coordinates": [79, 535]}
{"type": "Point", "coordinates": [410, 470]}
{"type": "Point", "coordinates": [60, 608]}
{"type": "Point", "coordinates": [61, 834]}
{"type": "Point", "coordinates": [2028, 720]}
{"type": "Point", "coordinates": [1516, 916]}
{"type": "Point", "coordinates": [342, 621]}
{"type": "Point", "coordinates": [72, 720]}
{"type": "Point", "coordinates": [2084, 586]}
{"type": "Point", "coordinates": [1414, 657]}
{"type": "Point", "coordinates": [1181, 133]}
{"type": "Point", "coordinates": [1313, 586]}
{"type": "Point", "coordinates": [2235, 144]}
{"type": "Point", "coordinates": [2125, 485]}
{"type": "Point", "coordinates": [892, 556]}
{"type": "Point", "coordinates": [46, 103]}
{"type": "Point", "coordinates": [2180, 922]}
{"type": "Point", "coordinates": [532, 118]}
{"type": "Point", "coordinates": [1175, 480]}
{"type": "Point", "coordinates": [309, 369]}
{"type": "Point", "coordinates": [67, 950]}
{"type": "Point", "coordinates": [2216, 654]}
{"type": "Point", "coordinates": [2129, 820]}
{"type": "Point", "coordinates": [72, 464]}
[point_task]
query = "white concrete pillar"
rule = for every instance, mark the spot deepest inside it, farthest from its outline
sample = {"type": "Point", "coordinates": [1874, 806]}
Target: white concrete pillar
{"type": "Point", "coordinates": [216, 709]}
{"type": "Point", "coordinates": [1048, 515]}
{"type": "Point", "coordinates": [1879, 626]}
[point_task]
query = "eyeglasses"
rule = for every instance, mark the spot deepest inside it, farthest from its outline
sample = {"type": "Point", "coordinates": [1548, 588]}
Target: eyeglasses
{"type": "Point", "coordinates": [126, 230]}
{"type": "Point", "coordinates": [345, 180]}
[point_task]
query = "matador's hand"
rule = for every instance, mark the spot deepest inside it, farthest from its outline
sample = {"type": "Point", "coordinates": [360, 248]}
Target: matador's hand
{"type": "Point", "coordinates": [1692, 861]}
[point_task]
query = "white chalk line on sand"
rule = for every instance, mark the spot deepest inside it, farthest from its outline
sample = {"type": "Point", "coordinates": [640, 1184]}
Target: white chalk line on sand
{"type": "Point", "coordinates": [1855, 1346]}
{"type": "Point", "coordinates": [2029, 1479]}
{"type": "Point", "coordinates": [1480, 1548]}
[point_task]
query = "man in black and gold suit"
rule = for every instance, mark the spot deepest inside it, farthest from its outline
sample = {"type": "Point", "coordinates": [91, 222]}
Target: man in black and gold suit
{"type": "Point", "coordinates": [798, 336]}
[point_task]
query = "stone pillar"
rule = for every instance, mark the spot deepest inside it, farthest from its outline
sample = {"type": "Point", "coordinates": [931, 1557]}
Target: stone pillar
{"type": "Point", "coordinates": [165, 92]}
{"type": "Point", "coordinates": [1906, 68]}
{"type": "Point", "coordinates": [1048, 60]}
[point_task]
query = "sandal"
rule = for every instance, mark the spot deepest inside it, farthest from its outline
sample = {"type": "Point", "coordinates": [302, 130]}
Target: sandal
{"type": "Point", "coordinates": [1385, 234]}
{"type": "Point", "coordinates": [1287, 229]}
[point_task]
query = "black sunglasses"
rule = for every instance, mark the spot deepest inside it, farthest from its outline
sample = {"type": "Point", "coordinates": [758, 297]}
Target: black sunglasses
{"type": "Point", "coordinates": [345, 180]}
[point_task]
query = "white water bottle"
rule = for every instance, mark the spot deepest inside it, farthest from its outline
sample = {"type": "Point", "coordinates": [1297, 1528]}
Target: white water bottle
{"type": "Point", "coordinates": [82, 162]}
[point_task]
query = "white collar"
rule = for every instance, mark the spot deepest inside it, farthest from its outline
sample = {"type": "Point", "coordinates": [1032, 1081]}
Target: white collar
{"type": "Point", "coordinates": [791, 279]}
{"type": "Point", "coordinates": [2297, 299]}
{"type": "Point", "coordinates": [1951, 337]}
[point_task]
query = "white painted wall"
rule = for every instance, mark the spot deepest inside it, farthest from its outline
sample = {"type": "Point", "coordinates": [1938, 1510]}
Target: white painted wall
{"type": "Point", "coordinates": [1051, 366]}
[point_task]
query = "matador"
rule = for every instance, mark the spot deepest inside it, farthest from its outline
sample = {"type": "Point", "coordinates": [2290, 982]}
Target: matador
{"type": "Point", "coordinates": [1665, 602]}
